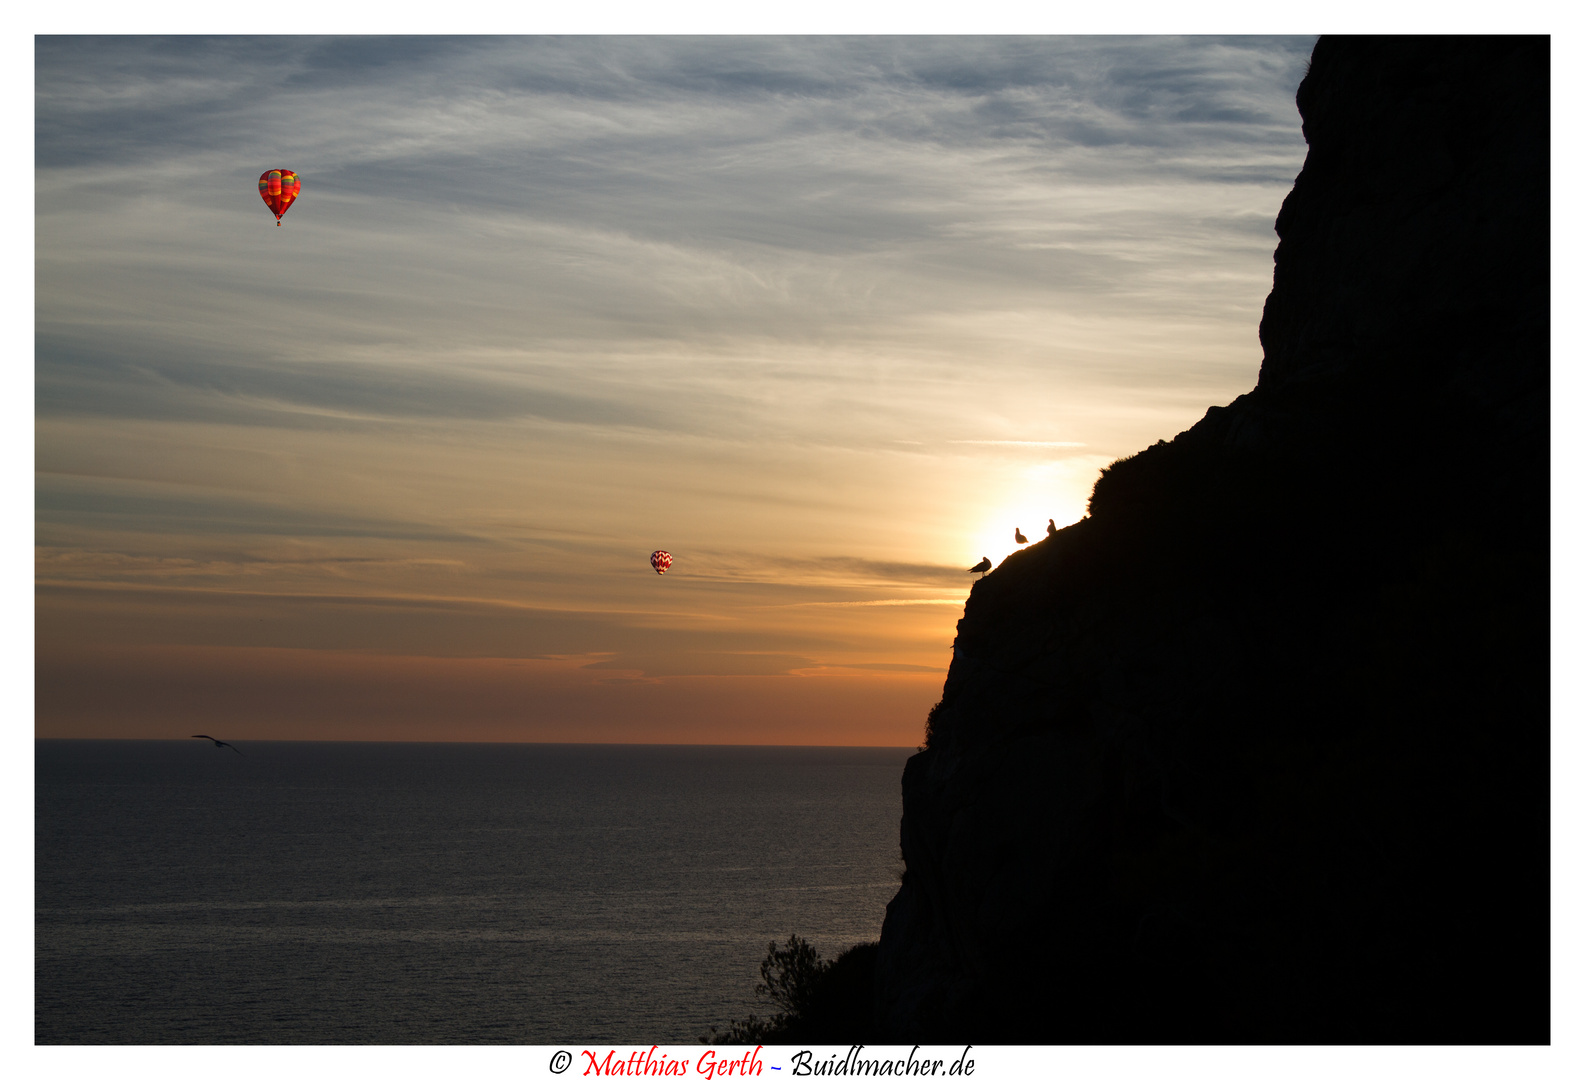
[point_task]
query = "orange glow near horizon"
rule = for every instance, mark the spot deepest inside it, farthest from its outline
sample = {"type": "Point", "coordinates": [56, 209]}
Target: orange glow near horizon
{"type": "Point", "coordinates": [289, 694]}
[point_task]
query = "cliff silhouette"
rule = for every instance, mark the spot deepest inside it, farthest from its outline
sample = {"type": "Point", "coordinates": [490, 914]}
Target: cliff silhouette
{"type": "Point", "coordinates": [1258, 750]}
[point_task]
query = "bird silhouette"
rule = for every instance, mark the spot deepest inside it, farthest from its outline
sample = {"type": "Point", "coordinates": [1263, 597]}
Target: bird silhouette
{"type": "Point", "coordinates": [217, 742]}
{"type": "Point", "coordinates": [1051, 527]}
{"type": "Point", "coordinates": [1019, 536]}
{"type": "Point", "coordinates": [980, 567]}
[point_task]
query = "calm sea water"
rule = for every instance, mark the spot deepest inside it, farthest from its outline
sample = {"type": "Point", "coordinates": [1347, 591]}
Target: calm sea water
{"type": "Point", "coordinates": [410, 893]}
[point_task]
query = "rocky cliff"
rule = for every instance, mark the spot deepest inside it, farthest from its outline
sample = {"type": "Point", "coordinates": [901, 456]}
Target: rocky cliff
{"type": "Point", "coordinates": [1258, 750]}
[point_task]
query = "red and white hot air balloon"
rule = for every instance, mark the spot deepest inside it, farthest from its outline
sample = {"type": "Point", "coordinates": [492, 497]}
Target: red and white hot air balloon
{"type": "Point", "coordinates": [661, 561]}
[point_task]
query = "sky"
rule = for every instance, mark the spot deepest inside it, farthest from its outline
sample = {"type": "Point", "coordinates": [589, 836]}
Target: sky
{"type": "Point", "coordinates": [824, 317]}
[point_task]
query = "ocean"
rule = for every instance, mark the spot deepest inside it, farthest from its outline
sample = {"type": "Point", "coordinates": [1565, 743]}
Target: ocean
{"type": "Point", "coordinates": [391, 893]}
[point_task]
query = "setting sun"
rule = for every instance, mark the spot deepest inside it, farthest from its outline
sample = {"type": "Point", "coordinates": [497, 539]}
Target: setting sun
{"type": "Point", "coordinates": [1054, 491]}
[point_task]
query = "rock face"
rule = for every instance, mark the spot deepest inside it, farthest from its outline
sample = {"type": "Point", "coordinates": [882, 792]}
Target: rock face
{"type": "Point", "coordinates": [1258, 750]}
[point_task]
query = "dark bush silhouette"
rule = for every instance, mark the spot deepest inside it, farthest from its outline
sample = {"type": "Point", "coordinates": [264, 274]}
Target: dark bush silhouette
{"type": "Point", "coordinates": [930, 724]}
{"type": "Point", "coordinates": [821, 1001]}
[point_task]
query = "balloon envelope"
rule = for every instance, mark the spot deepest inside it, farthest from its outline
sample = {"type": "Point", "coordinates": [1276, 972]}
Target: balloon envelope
{"type": "Point", "coordinates": [278, 188]}
{"type": "Point", "coordinates": [661, 561]}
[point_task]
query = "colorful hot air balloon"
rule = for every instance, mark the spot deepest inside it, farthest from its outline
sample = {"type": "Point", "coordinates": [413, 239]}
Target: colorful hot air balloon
{"type": "Point", "coordinates": [661, 561]}
{"type": "Point", "coordinates": [278, 188]}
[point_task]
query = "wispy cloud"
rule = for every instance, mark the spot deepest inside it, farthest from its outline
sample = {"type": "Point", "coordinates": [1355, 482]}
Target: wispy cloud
{"type": "Point", "coordinates": [1011, 442]}
{"type": "Point", "coordinates": [883, 603]}
{"type": "Point", "coordinates": [793, 208]}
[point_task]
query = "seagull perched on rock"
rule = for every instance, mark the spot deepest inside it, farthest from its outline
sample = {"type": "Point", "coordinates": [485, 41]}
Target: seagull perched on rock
{"type": "Point", "coordinates": [980, 567]}
{"type": "Point", "coordinates": [1019, 536]}
{"type": "Point", "coordinates": [1051, 526]}
{"type": "Point", "coordinates": [217, 742]}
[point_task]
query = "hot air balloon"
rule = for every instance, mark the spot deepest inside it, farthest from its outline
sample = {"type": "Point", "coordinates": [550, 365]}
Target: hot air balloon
{"type": "Point", "coordinates": [278, 188]}
{"type": "Point", "coordinates": [661, 561]}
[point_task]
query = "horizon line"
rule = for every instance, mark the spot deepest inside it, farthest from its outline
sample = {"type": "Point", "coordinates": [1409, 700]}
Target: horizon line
{"type": "Point", "coordinates": [488, 742]}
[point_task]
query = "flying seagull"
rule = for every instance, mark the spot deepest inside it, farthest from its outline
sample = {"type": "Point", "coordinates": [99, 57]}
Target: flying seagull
{"type": "Point", "coordinates": [1051, 526]}
{"type": "Point", "coordinates": [980, 567]}
{"type": "Point", "coordinates": [214, 740]}
{"type": "Point", "coordinates": [1019, 536]}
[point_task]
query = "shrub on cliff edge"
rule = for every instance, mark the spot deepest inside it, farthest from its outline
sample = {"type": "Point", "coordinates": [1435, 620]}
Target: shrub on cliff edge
{"type": "Point", "coordinates": [821, 1001]}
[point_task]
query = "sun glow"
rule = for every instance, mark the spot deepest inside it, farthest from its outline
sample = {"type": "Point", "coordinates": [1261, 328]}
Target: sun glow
{"type": "Point", "coordinates": [996, 540]}
{"type": "Point", "coordinates": [1053, 492]}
